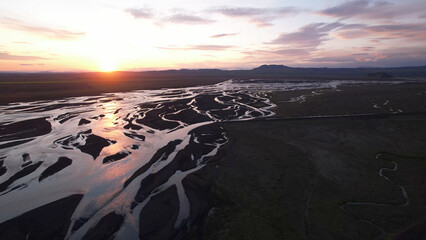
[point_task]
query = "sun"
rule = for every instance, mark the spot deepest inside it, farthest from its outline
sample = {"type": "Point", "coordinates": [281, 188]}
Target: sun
{"type": "Point", "coordinates": [107, 65]}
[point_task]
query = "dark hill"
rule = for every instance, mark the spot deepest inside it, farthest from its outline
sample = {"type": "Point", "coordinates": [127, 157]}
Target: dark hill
{"type": "Point", "coordinates": [271, 68]}
{"type": "Point", "coordinates": [281, 71]}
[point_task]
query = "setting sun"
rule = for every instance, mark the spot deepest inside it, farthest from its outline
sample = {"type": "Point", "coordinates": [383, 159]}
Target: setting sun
{"type": "Point", "coordinates": [107, 66]}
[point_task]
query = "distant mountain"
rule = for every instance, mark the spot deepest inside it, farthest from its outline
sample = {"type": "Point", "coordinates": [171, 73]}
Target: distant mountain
{"type": "Point", "coordinates": [271, 68]}
{"type": "Point", "coordinates": [263, 71]}
{"type": "Point", "coordinates": [281, 71]}
{"type": "Point", "coordinates": [197, 71]}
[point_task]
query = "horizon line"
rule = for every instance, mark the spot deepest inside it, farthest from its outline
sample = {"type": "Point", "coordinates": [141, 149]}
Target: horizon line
{"type": "Point", "coordinates": [195, 69]}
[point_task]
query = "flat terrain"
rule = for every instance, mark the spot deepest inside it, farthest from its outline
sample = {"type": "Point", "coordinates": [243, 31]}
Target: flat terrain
{"type": "Point", "coordinates": [318, 178]}
{"type": "Point", "coordinates": [333, 163]}
{"type": "Point", "coordinates": [16, 87]}
{"type": "Point", "coordinates": [45, 86]}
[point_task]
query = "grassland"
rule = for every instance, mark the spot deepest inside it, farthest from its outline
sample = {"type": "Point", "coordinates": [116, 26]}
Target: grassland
{"type": "Point", "coordinates": [289, 178]}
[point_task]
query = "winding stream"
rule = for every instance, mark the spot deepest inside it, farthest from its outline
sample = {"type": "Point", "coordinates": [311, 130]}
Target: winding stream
{"type": "Point", "coordinates": [406, 201]}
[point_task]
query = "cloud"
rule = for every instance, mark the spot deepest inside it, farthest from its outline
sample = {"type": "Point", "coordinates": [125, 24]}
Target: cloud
{"type": "Point", "coordinates": [390, 56]}
{"type": "Point", "coordinates": [350, 34]}
{"type": "Point", "coordinates": [309, 36]}
{"type": "Point", "coordinates": [223, 35]}
{"type": "Point", "coordinates": [199, 47]}
{"type": "Point", "coordinates": [404, 56]}
{"type": "Point", "coordinates": [179, 16]}
{"type": "Point", "coordinates": [344, 59]}
{"type": "Point", "coordinates": [140, 12]}
{"type": "Point", "coordinates": [368, 49]}
{"type": "Point", "coordinates": [367, 9]}
{"type": "Point", "coordinates": [249, 12]}
{"type": "Point", "coordinates": [261, 22]}
{"type": "Point", "coordinates": [368, 56]}
{"type": "Point", "coordinates": [413, 32]}
{"type": "Point", "coordinates": [348, 57]}
{"type": "Point", "coordinates": [286, 56]}
{"type": "Point", "coordinates": [262, 17]}
{"type": "Point", "coordinates": [19, 42]}
{"type": "Point", "coordinates": [240, 12]}
{"type": "Point", "coordinates": [57, 34]}
{"type": "Point", "coordinates": [7, 56]}
{"type": "Point", "coordinates": [313, 35]}
{"type": "Point", "coordinates": [186, 18]}
{"type": "Point", "coordinates": [29, 64]}
{"type": "Point", "coordinates": [292, 52]}
{"type": "Point", "coordinates": [288, 53]}
{"type": "Point", "coordinates": [347, 9]}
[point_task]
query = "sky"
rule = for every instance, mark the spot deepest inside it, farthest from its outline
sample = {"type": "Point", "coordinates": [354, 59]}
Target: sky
{"type": "Point", "coordinates": [94, 35]}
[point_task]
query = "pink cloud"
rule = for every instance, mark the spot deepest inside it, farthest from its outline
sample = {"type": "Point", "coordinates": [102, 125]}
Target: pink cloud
{"type": "Point", "coordinates": [413, 32]}
{"type": "Point", "coordinates": [52, 33]}
{"type": "Point", "coordinates": [198, 47]}
{"type": "Point", "coordinates": [366, 9]}
{"type": "Point", "coordinates": [309, 36]}
{"type": "Point", "coordinates": [8, 56]}
{"type": "Point", "coordinates": [261, 17]}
